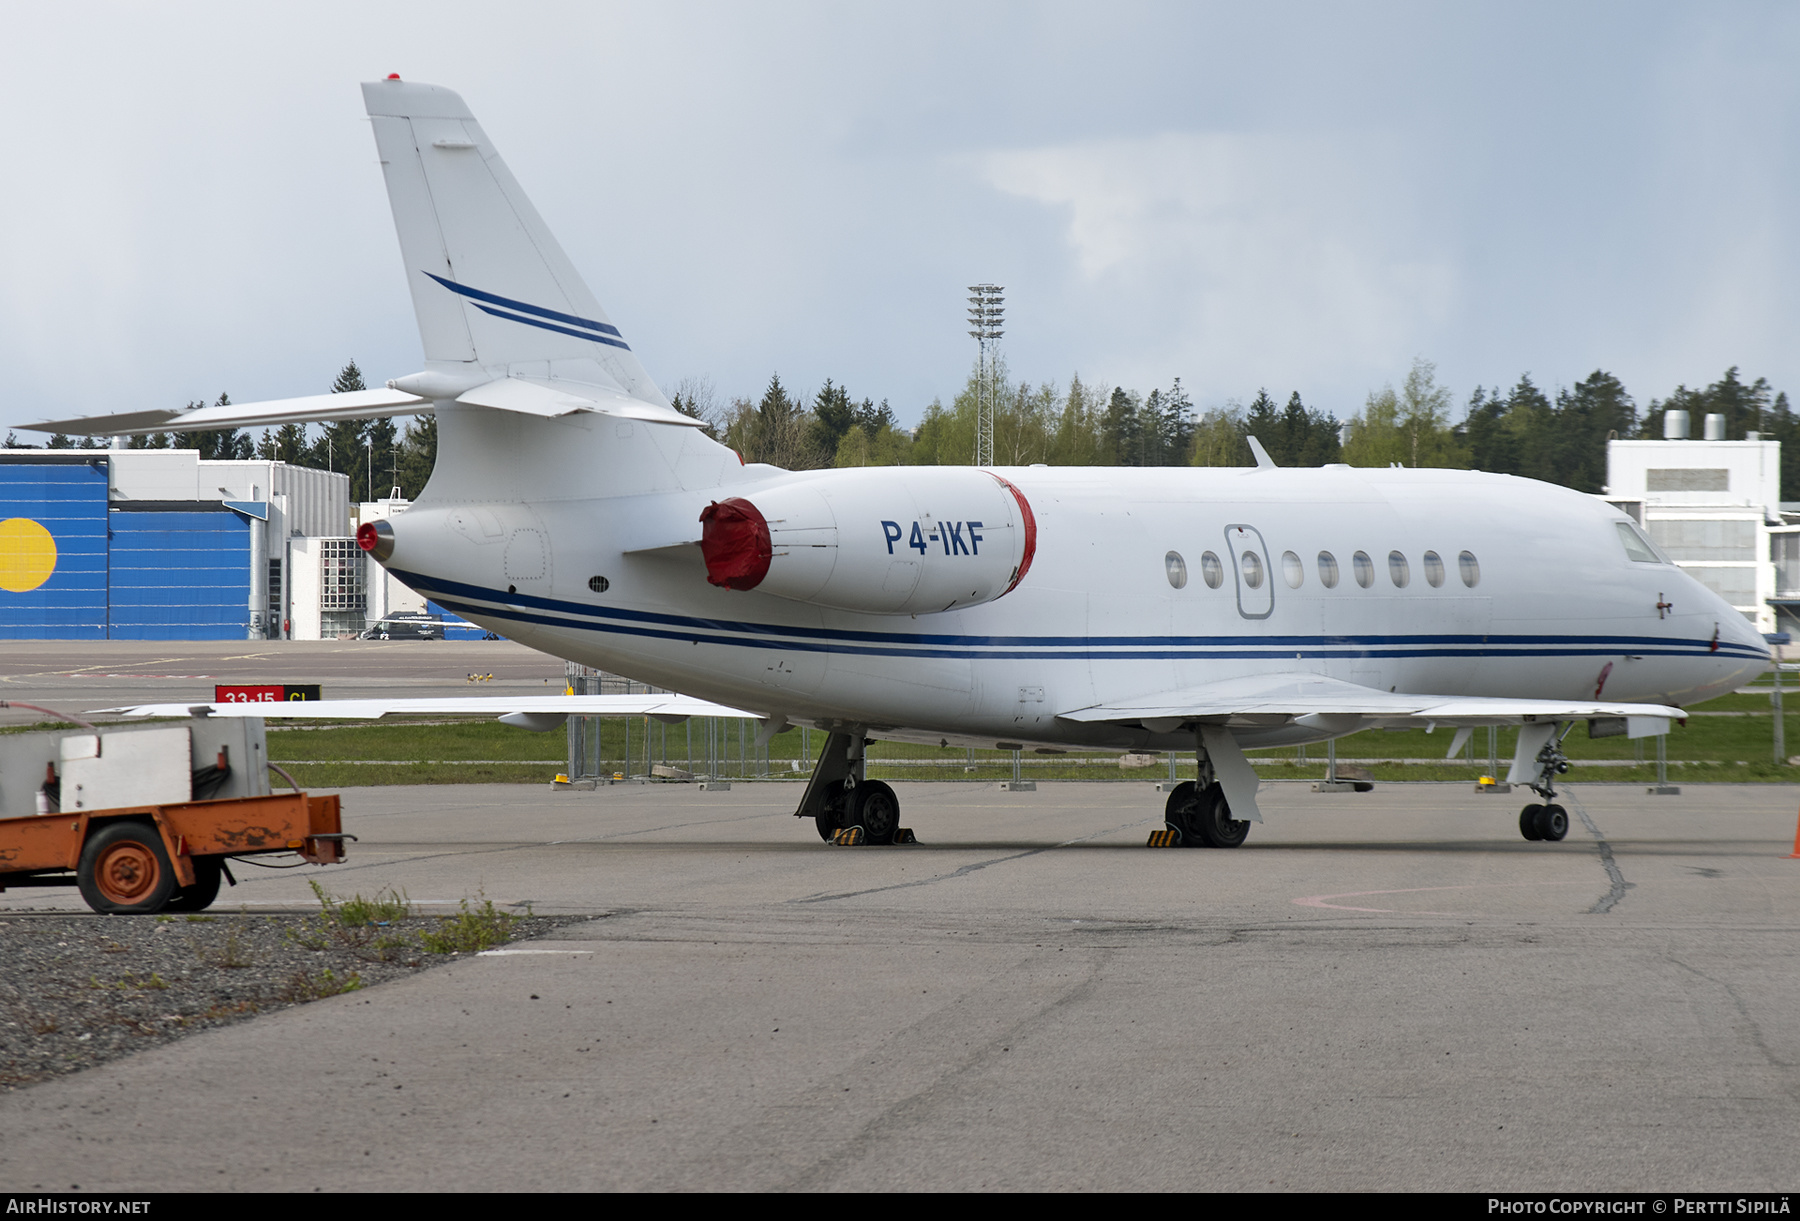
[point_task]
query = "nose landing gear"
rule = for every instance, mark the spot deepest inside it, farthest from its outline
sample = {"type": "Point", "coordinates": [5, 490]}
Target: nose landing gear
{"type": "Point", "coordinates": [1543, 822]}
{"type": "Point", "coordinates": [1548, 821]}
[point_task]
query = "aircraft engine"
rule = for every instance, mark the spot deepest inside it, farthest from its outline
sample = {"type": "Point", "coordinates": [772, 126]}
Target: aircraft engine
{"type": "Point", "coordinates": [885, 540]}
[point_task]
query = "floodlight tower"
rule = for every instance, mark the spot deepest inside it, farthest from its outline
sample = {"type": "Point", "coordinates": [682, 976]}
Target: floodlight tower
{"type": "Point", "coordinates": [986, 313]}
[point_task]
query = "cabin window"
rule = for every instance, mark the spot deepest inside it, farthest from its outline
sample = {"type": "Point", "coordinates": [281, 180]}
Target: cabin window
{"type": "Point", "coordinates": [1364, 568]}
{"type": "Point", "coordinates": [1434, 569]}
{"type": "Point", "coordinates": [1251, 565]}
{"type": "Point", "coordinates": [1328, 573]}
{"type": "Point", "coordinates": [1470, 569]}
{"type": "Point", "coordinates": [1292, 570]}
{"type": "Point", "coordinates": [1176, 567]}
{"type": "Point", "coordinates": [1398, 572]}
{"type": "Point", "coordinates": [1212, 570]}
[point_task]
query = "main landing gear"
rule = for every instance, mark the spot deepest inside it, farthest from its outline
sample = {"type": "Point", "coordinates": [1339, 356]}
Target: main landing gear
{"type": "Point", "coordinates": [1548, 821]}
{"type": "Point", "coordinates": [846, 806]}
{"type": "Point", "coordinates": [1202, 817]}
{"type": "Point", "coordinates": [1198, 814]}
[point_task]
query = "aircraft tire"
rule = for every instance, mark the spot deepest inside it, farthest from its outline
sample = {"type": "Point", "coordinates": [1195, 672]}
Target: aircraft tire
{"type": "Point", "coordinates": [838, 812]}
{"type": "Point", "coordinates": [208, 873]}
{"type": "Point", "coordinates": [1213, 820]}
{"type": "Point", "coordinates": [1181, 812]}
{"type": "Point", "coordinates": [125, 871]}
{"type": "Point", "coordinates": [876, 810]}
{"type": "Point", "coordinates": [1528, 822]}
{"type": "Point", "coordinates": [1552, 823]}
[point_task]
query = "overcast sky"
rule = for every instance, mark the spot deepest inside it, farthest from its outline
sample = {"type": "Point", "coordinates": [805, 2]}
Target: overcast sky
{"type": "Point", "coordinates": [1303, 197]}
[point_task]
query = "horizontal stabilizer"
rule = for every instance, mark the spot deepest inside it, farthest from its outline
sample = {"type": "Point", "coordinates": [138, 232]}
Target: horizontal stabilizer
{"type": "Point", "coordinates": [525, 396]}
{"type": "Point", "coordinates": [531, 396]}
{"type": "Point", "coordinates": [354, 405]}
{"type": "Point", "coordinates": [674, 707]}
{"type": "Point", "coordinates": [1341, 707]}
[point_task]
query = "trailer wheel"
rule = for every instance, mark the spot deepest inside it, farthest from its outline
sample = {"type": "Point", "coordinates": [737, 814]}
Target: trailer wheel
{"type": "Point", "coordinates": [124, 870]}
{"type": "Point", "coordinates": [197, 898]}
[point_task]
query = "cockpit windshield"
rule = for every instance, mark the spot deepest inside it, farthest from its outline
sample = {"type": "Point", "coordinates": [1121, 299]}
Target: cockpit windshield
{"type": "Point", "coordinates": [1638, 545]}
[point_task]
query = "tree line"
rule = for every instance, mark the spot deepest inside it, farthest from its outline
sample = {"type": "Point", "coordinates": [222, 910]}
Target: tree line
{"type": "Point", "coordinates": [1523, 430]}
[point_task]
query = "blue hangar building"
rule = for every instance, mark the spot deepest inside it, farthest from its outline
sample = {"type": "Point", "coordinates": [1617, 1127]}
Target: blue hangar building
{"type": "Point", "coordinates": [147, 544]}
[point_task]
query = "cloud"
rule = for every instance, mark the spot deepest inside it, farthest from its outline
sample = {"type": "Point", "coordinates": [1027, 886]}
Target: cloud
{"type": "Point", "coordinates": [1241, 257]}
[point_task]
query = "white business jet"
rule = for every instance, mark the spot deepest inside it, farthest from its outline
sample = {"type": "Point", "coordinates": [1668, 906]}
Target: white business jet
{"type": "Point", "coordinates": [1038, 608]}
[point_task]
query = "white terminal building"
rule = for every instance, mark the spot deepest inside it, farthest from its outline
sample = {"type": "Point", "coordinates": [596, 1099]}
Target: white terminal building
{"type": "Point", "coordinates": [1714, 506]}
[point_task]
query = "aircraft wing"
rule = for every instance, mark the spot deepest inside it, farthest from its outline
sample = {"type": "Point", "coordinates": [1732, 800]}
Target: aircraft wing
{"type": "Point", "coordinates": [1343, 707]}
{"type": "Point", "coordinates": [1336, 707]}
{"type": "Point", "coordinates": [540, 712]}
{"type": "Point", "coordinates": [521, 395]}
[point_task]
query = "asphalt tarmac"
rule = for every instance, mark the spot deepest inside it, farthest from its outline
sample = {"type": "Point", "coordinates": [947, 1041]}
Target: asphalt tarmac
{"type": "Point", "coordinates": [1381, 991]}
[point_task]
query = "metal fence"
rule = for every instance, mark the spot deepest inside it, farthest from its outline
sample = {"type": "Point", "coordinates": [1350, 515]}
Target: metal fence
{"type": "Point", "coordinates": [623, 748]}
{"type": "Point", "coordinates": [606, 748]}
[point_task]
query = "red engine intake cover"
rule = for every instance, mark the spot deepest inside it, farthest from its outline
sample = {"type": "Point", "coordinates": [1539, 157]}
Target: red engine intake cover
{"type": "Point", "coordinates": [734, 540]}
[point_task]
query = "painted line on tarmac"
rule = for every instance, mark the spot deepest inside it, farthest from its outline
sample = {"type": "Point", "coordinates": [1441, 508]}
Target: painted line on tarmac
{"type": "Point", "coordinates": [1322, 900]}
{"type": "Point", "coordinates": [539, 947]}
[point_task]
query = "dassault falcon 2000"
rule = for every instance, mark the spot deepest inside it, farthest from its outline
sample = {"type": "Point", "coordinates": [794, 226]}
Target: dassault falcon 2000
{"type": "Point", "coordinates": [573, 509]}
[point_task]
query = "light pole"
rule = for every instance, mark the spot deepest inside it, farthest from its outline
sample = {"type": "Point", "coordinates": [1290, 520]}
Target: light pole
{"type": "Point", "coordinates": [986, 313]}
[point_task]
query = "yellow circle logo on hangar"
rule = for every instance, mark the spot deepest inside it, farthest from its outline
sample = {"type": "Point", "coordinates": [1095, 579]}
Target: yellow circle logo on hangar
{"type": "Point", "coordinates": [27, 555]}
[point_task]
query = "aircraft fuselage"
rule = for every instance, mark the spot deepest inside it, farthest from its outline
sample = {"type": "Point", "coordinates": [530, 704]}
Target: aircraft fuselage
{"type": "Point", "coordinates": [1142, 580]}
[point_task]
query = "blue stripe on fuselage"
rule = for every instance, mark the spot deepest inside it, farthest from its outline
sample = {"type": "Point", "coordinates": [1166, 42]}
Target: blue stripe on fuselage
{"type": "Point", "coordinates": [520, 608]}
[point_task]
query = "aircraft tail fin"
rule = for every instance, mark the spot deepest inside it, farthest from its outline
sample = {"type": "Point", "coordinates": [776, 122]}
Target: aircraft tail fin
{"type": "Point", "coordinates": [493, 290]}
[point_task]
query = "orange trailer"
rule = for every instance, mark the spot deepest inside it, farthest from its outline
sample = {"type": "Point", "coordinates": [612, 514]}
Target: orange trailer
{"type": "Point", "coordinates": [135, 860]}
{"type": "Point", "coordinates": [144, 818]}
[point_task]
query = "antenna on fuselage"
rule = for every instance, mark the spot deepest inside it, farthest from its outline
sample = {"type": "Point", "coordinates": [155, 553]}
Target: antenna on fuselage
{"type": "Point", "coordinates": [1263, 461]}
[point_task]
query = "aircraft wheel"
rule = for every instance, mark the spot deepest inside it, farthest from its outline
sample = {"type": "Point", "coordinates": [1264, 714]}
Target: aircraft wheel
{"type": "Point", "coordinates": [838, 812]}
{"type": "Point", "coordinates": [1214, 823]}
{"type": "Point", "coordinates": [876, 809]}
{"type": "Point", "coordinates": [1552, 823]}
{"type": "Point", "coordinates": [1528, 822]}
{"type": "Point", "coordinates": [124, 870]}
{"type": "Point", "coordinates": [208, 873]}
{"type": "Point", "coordinates": [1182, 812]}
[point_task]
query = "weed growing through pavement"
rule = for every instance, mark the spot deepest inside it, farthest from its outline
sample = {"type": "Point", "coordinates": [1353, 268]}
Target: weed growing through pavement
{"type": "Point", "coordinates": [359, 925]}
{"type": "Point", "coordinates": [305, 986]}
{"type": "Point", "coordinates": [385, 908]}
{"type": "Point", "coordinates": [154, 983]}
{"type": "Point", "coordinates": [365, 926]}
{"type": "Point", "coordinates": [471, 930]}
{"type": "Point", "coordinates": [232, 954]}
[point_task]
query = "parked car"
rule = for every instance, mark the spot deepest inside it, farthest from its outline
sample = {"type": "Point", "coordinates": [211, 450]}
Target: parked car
{"type": "Point", "coordinates": [405, 627]}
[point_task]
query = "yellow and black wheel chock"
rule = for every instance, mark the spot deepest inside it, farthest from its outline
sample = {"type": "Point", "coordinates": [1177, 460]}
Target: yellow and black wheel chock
{"type": "Point", "coordinates": [852, 837]}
